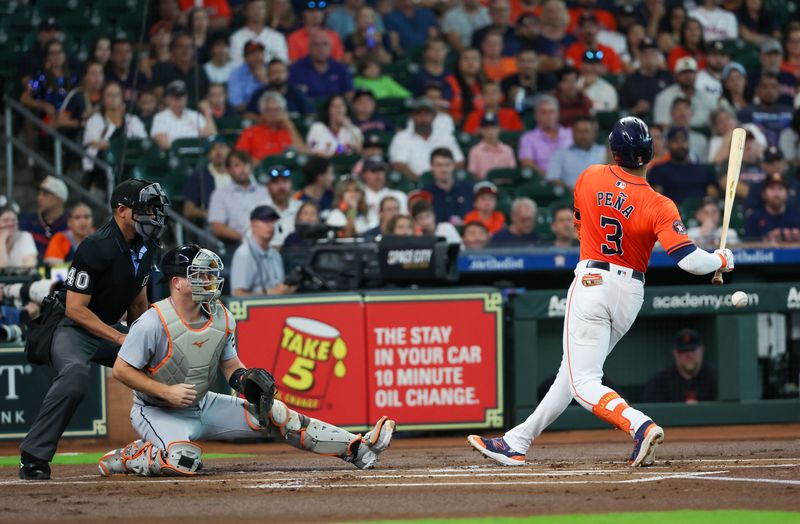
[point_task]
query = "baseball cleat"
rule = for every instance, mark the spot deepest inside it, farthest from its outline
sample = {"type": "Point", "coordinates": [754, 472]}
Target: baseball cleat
{"type": "Point", "coordinates": [497, 449]}
{"type": "Point", "coordinates": [32, 468]}
{"type": "Point", "coordinates": [647, 439]}
{"type": "Point", "coordinates": [373, 444]}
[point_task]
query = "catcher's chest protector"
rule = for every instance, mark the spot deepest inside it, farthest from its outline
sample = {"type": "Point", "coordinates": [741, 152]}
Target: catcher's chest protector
{"type": "Point", "coordinates": [193, 354]}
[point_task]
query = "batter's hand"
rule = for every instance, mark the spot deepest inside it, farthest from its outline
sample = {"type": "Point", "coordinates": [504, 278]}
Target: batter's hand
{"type": "Point", "coordinates": [180, 395]}
{"type": "Point", "coordinates": [727, 254]}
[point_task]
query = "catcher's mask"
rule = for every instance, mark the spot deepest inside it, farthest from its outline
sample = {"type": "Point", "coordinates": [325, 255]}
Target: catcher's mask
{"type": "Point", "coordinates": [147, 201]}
{"type": "Point", "coordinates": [202, 268]}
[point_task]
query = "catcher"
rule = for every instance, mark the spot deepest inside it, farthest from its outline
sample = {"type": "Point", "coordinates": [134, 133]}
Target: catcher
{"type": "Point", "coordinates": [170, 357]}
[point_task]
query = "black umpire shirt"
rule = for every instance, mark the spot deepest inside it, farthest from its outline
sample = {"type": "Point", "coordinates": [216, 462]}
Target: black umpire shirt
{"type": "Point", "coordinates": [111, 270]}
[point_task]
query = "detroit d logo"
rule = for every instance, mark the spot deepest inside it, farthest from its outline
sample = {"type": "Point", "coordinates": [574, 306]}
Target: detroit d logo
{"type": "Point", "coordinates": [679, 227]}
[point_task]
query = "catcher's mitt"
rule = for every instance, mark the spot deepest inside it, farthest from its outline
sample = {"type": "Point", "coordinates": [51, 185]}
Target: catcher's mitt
{"type": "Point", "coordinates": [258, 387]}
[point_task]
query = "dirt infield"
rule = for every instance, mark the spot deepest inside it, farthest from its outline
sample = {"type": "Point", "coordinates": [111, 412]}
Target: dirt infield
{"type": "Point", "coordinates": [570, 472]}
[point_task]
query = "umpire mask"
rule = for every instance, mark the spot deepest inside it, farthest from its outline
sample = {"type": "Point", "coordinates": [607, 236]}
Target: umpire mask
{"type": "Point", "coordinates": [149, 216]}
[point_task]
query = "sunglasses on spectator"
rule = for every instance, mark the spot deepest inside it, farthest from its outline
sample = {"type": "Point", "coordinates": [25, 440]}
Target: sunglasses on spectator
{"type": "Point", "coordinates": [321, 4]}
{"type": "Point", "coordinates": [594, 56]}
{"type": "Point", "coordinates": [277, 173]}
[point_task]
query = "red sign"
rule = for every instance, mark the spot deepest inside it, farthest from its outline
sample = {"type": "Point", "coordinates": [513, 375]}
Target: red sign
{"type": "Point", "coordinates": [435, 361]}
{"type": "Point", "coordinates": [315, 350]}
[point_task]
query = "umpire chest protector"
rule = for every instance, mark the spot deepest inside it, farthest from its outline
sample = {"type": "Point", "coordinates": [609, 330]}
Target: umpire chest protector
{"type": "Point", "coordinates": [193, 354]}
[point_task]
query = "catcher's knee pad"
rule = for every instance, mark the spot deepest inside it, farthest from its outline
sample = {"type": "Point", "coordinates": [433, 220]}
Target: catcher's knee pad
{"type": "Point", "coordinates": [286, 419]}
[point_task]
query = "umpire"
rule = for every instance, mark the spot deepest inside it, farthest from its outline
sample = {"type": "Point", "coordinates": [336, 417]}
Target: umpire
{"type": "Point", "coordinates": [108, 278]}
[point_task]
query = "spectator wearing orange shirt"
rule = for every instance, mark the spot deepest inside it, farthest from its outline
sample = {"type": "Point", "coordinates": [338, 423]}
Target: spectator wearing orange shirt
{"type": "Point", "coordinates": [692, 44]}
{"type": "Point", "coordinates": [587, 40]}
{"type": "Point", "coordinates": [274, 133]}
{"type": "Point", "coordinates": [484, 210]}
{"type": "Point", "coordinates": [496, 66]}
{"type": "Point", "coordinates": [492, 96]}
{"type": "Point", "coordinates": [465, 84]}
{"type": "Point", "coordinates": [313, 17]}
{"type": "Point", "coordinates": [62, 246]}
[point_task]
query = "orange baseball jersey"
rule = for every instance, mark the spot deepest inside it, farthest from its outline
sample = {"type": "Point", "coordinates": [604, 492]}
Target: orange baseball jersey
{"type": "Point", "coordinates": [619, 218]}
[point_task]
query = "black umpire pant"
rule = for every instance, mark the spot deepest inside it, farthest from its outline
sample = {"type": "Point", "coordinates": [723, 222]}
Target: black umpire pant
{"type": "Point", "coordinates": [72, 352]}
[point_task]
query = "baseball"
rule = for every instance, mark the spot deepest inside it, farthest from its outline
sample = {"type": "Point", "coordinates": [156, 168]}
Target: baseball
{"type": "Point", "coordinates": [739, 299]}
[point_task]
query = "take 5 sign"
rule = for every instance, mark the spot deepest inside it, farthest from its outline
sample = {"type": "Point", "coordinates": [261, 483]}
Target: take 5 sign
{"type": "Point", "coordinates": [427, 360]}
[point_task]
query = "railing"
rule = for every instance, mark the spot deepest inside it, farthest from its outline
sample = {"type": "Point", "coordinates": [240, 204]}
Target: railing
{"type": "Point", "coordinates": [56, 169]}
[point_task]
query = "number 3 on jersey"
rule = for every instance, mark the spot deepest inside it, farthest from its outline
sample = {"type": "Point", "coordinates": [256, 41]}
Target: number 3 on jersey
{"type": "Point", "coordinates": [614, 237]}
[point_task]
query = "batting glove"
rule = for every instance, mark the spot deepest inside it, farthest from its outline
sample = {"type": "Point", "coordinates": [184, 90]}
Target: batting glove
{"type": "Point", "coordinates": [727, 259]}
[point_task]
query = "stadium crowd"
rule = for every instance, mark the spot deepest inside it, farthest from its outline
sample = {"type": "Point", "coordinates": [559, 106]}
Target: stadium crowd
{"type": "Point", "coordinates": [464, 119]}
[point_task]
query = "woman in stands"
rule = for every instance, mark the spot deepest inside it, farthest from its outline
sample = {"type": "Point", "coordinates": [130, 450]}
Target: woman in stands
{"type": "Point", "coordinates": [349, 208]}
{"type": "Point", "coordinates": [333, 133]}
{"type": "Point", "coordinates": [49, 87]}
{"type": "Point", "coordinates": [101, 51]}
{"type": "Point", "coordinates": [692, 44]}
{"type": "Point", "coordinates": [280, 16]}
{"type": "Point", "coordinates": [465, 85]}
{"type": "Point", "coordinates": [197, 27]}
{"type": "Point", "coordinates": [736, 94]}
{"type": "Point", "coordinates": [366, 41]}
{"type": "Point", "coordinates": [17, 249]}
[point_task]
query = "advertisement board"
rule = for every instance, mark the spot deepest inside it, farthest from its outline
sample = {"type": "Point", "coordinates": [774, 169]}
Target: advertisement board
{"type": "Point", "coordinates": [23, 387]}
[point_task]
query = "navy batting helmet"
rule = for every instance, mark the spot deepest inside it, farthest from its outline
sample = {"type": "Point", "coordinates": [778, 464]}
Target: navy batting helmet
{"type": "Point", "coordinates": [631, 143]}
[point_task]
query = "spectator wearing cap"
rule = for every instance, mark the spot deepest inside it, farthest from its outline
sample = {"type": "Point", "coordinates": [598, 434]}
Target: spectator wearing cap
{"type": "Point", "coordinates": [62, 246]}
{"type": "Point", "coordinates": [388, 208]}
{"type": "Point", "coordinates": [349, 210]}
{"type": "Point", "coordinates": [411, 149]}
{"type": "Point", "coordinates": [537, 147]}
{"type": "Point", "coordinates": [248, 77]}
{"type": "Point", "coordinates": [319, 178]}
{"type": "Point", "coordinates": [771, 58]}
{"type": "Point", "coordinates": [274, 132]}
{"type": "Point", "coordinates": [572, 101]}
{"type": "Point", "coordinates": [681, 115]}
{"type": "Point", "coordinates": [736, 93]}
{"type": "Point", "coordinates": [182, 67]}
{"type": "Point", "coordinates": [279, 189]}
{"type": "Point", "coordinates": [685, 77]}
{"type": "Point", "coordinates": [313, 18]}
{"type": "Point", "coordinates": [709, 230]}
{"type": "Point", "coordinates": [563, 227]}
{"type": "Point", "coordinates": [373, 176]}
{"type": "Point", "coordinates": [709, 79]}
{"type": "Point", "coordinates": [255, 28]}
{"type": "Point", "coordinates": [688, 380]}
{"type": "Point", "coordinates": [120, 69]}
{"type": "Point", "coordinates": [496, 66]}
{"type": "Point", "coordinates": [257, 268]}
{"type": "Point", "coordinates": [588, 29]}
{"type": "Point", "coordinates": [49, 217]}
{"type": "Point", "coordinates": [220, 66]}
{"type": "Point", "coordinates": [200, 184]}
{"type": "Point", "coordinates": [177, 121]}
{"type": "Point", "coordinates": [500, 15]}
{"type": "Point", "coordinates": [679, 178]}
{"type": "Point", "coordinates": [425, 223]}
{"type": "Point", "coordinates": [370, 78]}
{"type": "Point", "coordinates": [410, 26]}
{"type": "Point", "coordinates": [521, 88]}
{"type": "Point", "coordinates": [475, 236]}
{"type": "Point", "coordinates": [519, 232]}
{"type": "Point", "coordinates": [319, 75]}
{"type": "Point", "coordinates": [344, 18]}
{"type": "Point", "coordinates": [490, 153]}
{"type": "Point", "coordinates": [278, 81]}
{"type": "Point", "coordinates": [773, 161]}
{"type": "Point", "coordinates": [461, 22]}
{"type": "Point", "coordinates": [364, 117]}
{"type": "Point", "coordinates": [639, 90]}
{"type": "Point", "coordinates": [568, 163]}
{"type": "Point", "coordinates": [718, 23]}
{"type": "Point", "coordinates": [373, 147]}
{"type": "Point", "coordinates": [507, 118]}
{"type": "Point", "coordinates": [775, 220]}
{"type": "Point", "coordinates": [452, 199]}
{"type": "Point", "coordinates": [230, 204]}
{"type": "Point", "coordinates": [692, 44]}
{"type": "Point", "coordinates": [599, 90]}
{"type": "Point", "coordinates": [433, 71]}
{"type": "Point", "coordinates": [368, 41]}
{"type": "Point", "coordinates": [768, 114]}
{"type": "Point", "coordinates": [484, 208]}
{"type": "Point", "coordinates": [334, 133]}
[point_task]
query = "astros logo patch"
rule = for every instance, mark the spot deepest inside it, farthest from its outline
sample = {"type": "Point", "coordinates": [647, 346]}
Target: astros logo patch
{"type": "Point", "coordinates": [679, 227]}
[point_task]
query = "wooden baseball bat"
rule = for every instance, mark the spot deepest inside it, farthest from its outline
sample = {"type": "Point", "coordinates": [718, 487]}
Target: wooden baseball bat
{"type": "Point", "coordinates": [732, 180]}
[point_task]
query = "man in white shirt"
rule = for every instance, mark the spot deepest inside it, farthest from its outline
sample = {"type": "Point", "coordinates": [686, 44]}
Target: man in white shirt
{"type": "Point", "coordinates": [684, 87]}
{"type": "Point", "coordinates": [255, 28]}
{"type": "Point", "coordinates": [411, 148]}
{"type": "Point", "coordinates": [374, 178]}
{"type": "Point", "coordinates": [718, 24]}
{"type": "Point", "coordinates": [709, 79]}
{"type": "Point", "coordinates": [603, 95]}
{"type": "Point", "coordinates": [177, 121]}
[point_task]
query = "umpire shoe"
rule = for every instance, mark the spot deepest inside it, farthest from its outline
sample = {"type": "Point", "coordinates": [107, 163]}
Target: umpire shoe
{"type": "Point", "coordinates": [497, 449]}
{"type": "Point", "coordinates": [32, 468]}
{"type": "Point", "coordinates": [647, 439]}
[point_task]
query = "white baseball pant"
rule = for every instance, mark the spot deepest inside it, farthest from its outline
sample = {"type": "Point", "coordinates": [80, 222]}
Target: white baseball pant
{"type": "Point", "coordinates": [601, 307]}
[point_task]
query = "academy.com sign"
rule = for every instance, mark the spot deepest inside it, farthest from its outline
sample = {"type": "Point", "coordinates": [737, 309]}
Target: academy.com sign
{"type": "Point", "coordinates": [689, 300]}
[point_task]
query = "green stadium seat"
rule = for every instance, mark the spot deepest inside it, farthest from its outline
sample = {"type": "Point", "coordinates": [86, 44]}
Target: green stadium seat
{"type": "Point", "coordinates": [230, 127]}
{"type": "Point", "coordinates": [397, 180]}
{"type": "Point", "coordinates": [511, 138]}
{"type": "Point", "coordinates": [505, 177]}
{"type": "Point", "coordinates": [466, 141]}
{"type": "Point", "coordinates": [134, 150]}
{"type": "Point", "coordinates": [504, 200]}
{"type": "Point", "coordinates": [689, 207]}
{"type": "Point", "coordinates": [188, 148]}
{"type": "Point", "coordinates": [167, 170]}
{"type": "Point", "coordinates": [543, 221]}
{"type": "Point", "coordinates": [426, 179]}
{"type": "Point", "coordinates": [343, 164]}
{"type": "Point", "coordinates": [540, 191]}
{"type": "Point", "coordinates": [392, 106]}
{"type": "Point", "coordinates": [558, 204]}
{"type": "Point", "coordinates": [607, 119]}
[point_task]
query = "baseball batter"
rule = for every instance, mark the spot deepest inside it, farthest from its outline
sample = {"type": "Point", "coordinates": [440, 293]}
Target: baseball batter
{"type": "Point", "coordinates": [619, 218]}
{"type": "Point", "coordinates": [169, 359]}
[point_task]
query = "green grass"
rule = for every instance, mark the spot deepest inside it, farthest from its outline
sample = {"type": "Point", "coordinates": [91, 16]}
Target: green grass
{"type": "Point", "coordinates": [92, 458]}
{"type": "Point", "coordinates": [662, 517]}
